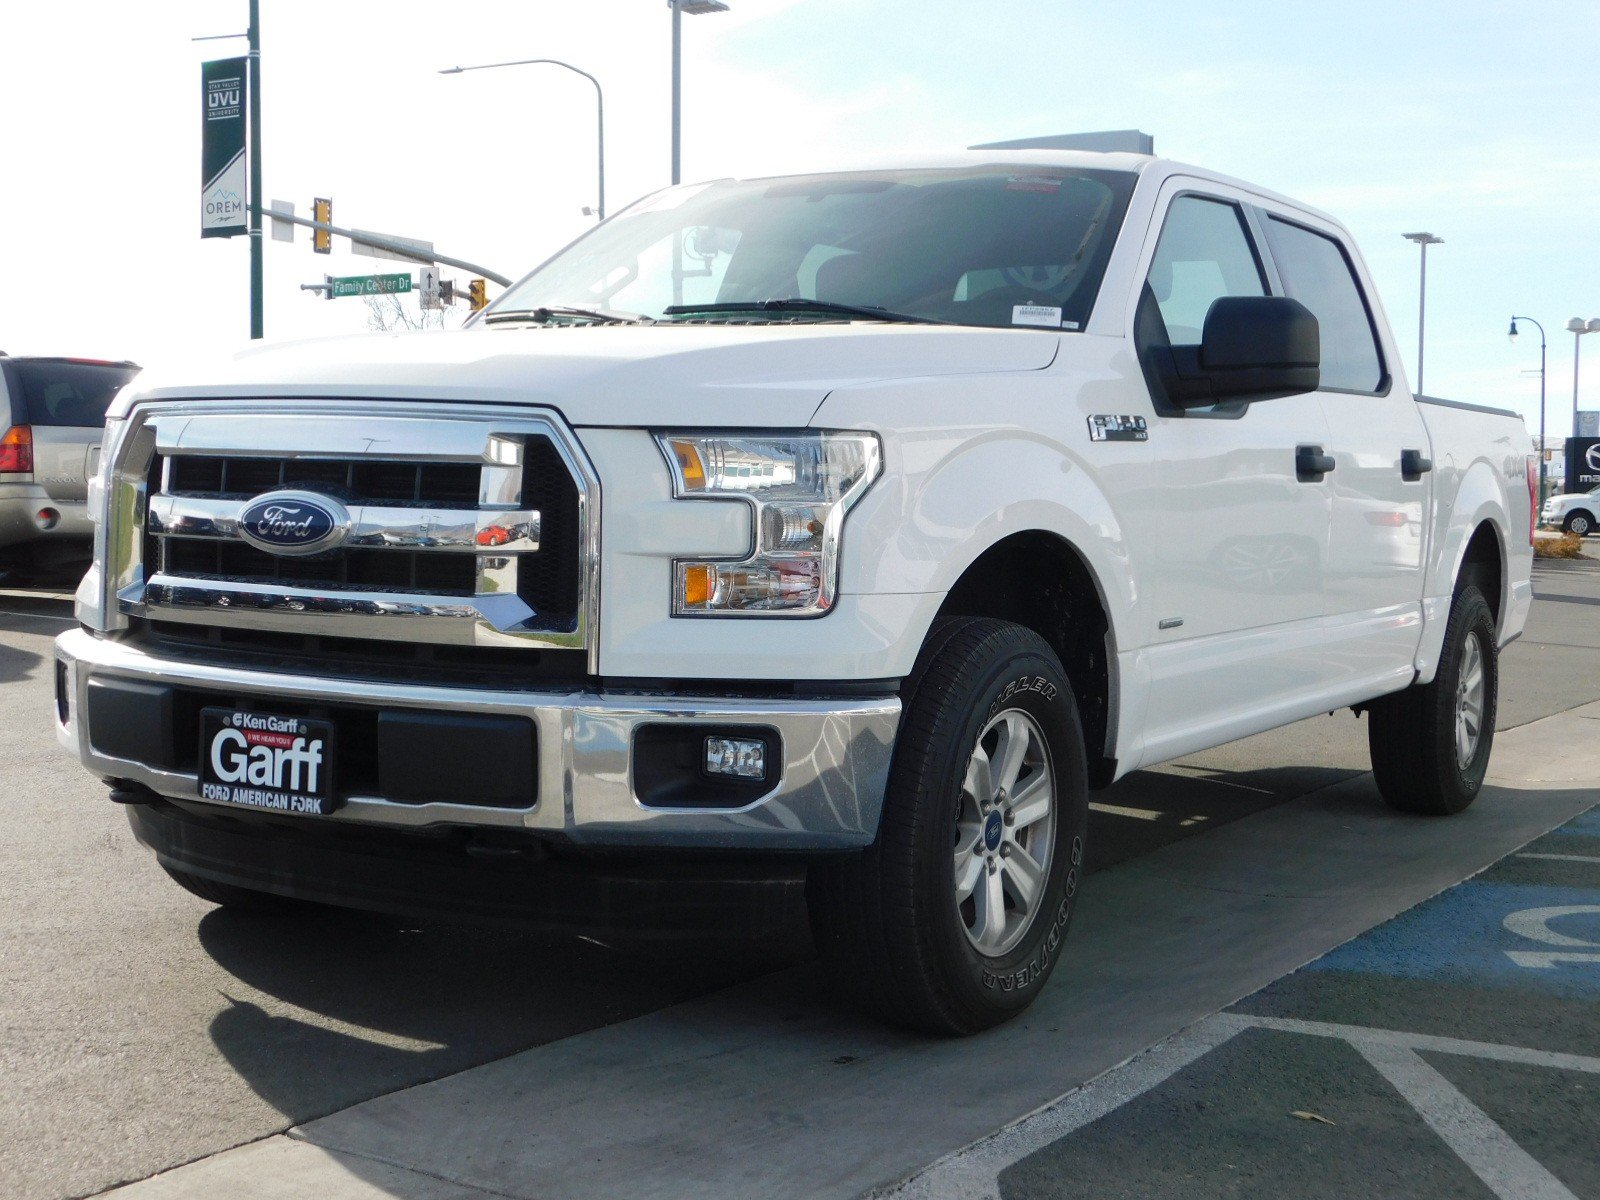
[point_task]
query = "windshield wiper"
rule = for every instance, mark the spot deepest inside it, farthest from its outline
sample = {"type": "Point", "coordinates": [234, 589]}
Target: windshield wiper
{"type": "Point", "coordinates": [798, 304]}
{"type": "Point", "coordinates": [547, 314]}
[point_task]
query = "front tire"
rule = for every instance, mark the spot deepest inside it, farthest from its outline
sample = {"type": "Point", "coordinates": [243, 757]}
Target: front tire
{"type": "Point", "coordinates": [1430, 744]}
{"type": "Point", "coordinates": [954, 919]}
{"type": "Point", "coordinates": [1580, 523]}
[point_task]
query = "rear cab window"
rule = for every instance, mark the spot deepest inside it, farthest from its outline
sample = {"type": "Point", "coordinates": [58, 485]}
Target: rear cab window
{"type": "Point", "coordinates": [60, 392]}
{"type": "Point", "coordinates": [1317, 271]}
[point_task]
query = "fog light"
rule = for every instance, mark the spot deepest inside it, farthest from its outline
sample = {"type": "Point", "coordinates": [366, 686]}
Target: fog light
{"type": "Point", "coordinates": [743, 758]}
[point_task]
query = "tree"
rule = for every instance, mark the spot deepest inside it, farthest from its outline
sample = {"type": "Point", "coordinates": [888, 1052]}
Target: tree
{"type": "Point", "coordinates": [390, 314]}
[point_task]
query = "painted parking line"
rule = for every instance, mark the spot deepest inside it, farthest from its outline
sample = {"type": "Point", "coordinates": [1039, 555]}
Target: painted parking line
{"type": "Point", "coordinates": [1506, 942]}
{"type": "Point", "coordinates": [1482, 1145]}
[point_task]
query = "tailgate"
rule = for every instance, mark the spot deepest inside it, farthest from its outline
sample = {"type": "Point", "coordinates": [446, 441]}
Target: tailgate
{"type": "Point", "coordinates": [61, 459]}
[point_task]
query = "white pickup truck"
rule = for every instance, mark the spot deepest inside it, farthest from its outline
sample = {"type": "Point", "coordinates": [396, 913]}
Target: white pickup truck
{"type": "Point", "coordinates": [864, 521]}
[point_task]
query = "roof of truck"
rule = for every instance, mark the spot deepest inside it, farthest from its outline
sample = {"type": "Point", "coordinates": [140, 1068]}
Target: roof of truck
{"type": "Point", "coordinates": [1138, 164]}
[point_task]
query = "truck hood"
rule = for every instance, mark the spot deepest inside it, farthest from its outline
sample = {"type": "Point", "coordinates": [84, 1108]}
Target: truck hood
{"type": "Point", "coordinates": [749, 375]}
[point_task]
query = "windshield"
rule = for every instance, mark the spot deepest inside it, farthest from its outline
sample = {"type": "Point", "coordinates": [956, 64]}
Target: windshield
{"type": "Point", "coordinates": [996, 246]}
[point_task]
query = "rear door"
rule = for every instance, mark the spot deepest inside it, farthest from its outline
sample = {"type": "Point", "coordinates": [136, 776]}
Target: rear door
{"type": "Point", "coordinates": [1381, 482]}
{"type": "Point", "coordinates": [64, 402]}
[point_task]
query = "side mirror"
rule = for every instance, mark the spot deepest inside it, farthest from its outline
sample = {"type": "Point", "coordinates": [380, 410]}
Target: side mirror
{"type": "Point", "coordinates": [1252, 348]}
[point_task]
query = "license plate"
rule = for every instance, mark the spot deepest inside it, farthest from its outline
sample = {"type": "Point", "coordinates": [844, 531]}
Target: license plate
{"type": "Point", "coordinates": [266, 761]}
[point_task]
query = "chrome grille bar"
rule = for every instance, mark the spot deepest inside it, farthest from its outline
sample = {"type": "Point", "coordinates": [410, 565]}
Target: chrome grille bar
{"type": "Point", "coordinates": [478, 531]}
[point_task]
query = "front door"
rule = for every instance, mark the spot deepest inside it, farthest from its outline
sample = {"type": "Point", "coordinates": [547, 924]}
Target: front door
{"type": "Point", "coordinates": [1229, 545]}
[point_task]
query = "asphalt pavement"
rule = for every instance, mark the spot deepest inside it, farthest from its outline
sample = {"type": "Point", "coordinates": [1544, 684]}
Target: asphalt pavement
{"type": "Point", "coordinates": [146, 1030]}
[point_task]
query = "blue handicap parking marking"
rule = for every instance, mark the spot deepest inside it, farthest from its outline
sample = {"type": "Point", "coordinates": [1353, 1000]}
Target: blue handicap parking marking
{"type": "Point", "coordinates": [1587, 825]}
{"type": "Point", "coordinates": [1544, 939]}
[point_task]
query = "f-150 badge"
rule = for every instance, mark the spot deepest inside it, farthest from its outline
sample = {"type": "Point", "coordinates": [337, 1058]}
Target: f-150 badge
{"type": "Point", "coordinates": [1117, 427]}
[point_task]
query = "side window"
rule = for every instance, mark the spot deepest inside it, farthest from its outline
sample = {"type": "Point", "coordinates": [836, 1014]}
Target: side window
{"type": "Point", "coordinates": [1204, 253]}
{"type": "Point", "coordinates": [1317, 273]}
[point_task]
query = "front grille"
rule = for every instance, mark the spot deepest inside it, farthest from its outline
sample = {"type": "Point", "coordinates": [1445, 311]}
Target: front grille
{"type": "Point", "coordinates": [353, 480]}
{"type": "Point", "coordinates": [466, 529]}
{"type": "Point", "coordinates": [347, 570]}
{"type": "Point", "coordinates": [550, 581]}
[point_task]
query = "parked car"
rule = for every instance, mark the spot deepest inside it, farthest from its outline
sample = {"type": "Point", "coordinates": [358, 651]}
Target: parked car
{"type": "Point", "coordinates": [53, 411]}
{"type": "Point", "coordinates": [1575, 512]}
{"type": "Point", "coordinates": [865, 521]}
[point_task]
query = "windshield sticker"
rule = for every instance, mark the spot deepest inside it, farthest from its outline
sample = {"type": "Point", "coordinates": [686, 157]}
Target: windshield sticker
{"type": "Point", "coordinates": [1118, 427]}
{"type": "Point", "coordinates": [1036, 314]}
{"type": "Point", "coordinates": [1032, 183]}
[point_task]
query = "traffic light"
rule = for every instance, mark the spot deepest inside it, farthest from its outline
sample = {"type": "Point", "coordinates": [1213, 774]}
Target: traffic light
{"type": "Point", "coordinates": [321, 239]}
{"type": "Point", "coordinates": [479, 291]}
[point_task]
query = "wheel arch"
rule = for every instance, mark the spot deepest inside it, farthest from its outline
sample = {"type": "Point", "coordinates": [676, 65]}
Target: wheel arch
{"type": "Point", "coordinates": [1483, 562]}
{"type": "Point", "coordinates": [1040, 580]}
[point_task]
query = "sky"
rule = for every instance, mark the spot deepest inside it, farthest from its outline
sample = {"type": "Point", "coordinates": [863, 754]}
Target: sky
{"type": "Point", "coordinates": [1472, 120]}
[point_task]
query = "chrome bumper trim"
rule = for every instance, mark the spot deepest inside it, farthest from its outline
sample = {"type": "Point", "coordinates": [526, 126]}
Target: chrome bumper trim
{"type": "Point", "coordinates": [828, 796]}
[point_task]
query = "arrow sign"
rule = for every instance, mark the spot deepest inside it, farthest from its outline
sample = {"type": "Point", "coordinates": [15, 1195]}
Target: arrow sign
{"type": "Point", "coordinates": [370, 285]}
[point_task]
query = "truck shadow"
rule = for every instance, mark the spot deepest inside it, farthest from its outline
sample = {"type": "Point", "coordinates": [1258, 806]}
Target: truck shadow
{"type": "Point", "coordinates": [389, 1002]}
{"type": "Point", "coordinates": [17, 664]}
{"type": "Point", "coordinates": [336, 1006]}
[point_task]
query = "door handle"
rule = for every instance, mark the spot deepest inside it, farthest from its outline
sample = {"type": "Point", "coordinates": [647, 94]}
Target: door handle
{"type": "Point", "coordinates": [1413, 466]}
{"type": "Point", "coordinates": [1311, 464]}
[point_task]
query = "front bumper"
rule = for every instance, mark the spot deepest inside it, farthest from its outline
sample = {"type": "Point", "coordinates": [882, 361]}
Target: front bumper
{"type": "Point", "coordinates": [827, 793]}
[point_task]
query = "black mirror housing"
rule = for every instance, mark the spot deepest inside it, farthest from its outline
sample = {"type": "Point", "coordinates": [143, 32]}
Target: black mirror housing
{"type": "Point", "coordinates": [1252, 348]}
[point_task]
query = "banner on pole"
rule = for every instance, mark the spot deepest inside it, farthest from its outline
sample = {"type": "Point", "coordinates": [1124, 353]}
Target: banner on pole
{"type": "Point", "coordinates": [222, 161]}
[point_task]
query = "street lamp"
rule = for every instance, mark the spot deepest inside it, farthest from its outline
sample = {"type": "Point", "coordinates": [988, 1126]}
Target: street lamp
{"type": "Point", "coordinates": [1512, 334]}
{"type": "Point", "coordinates": [1424, 240]}
{"type": "Point", "coordinates": [599, 106]}
{"type": "Point", "coordinates": [1578, 327]}
{"type": "Point", "coordinates": [695, 8]}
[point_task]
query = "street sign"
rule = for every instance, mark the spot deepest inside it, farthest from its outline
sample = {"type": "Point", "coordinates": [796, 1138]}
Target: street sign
{"type": "Point", "coordinates": [428, 285]}
{"type": "Point", "coordinates": [282, 231]}
{"type": "Point", "coordinates": [369, 285]}
{"type": "Point", "coordinates": [357, 246]}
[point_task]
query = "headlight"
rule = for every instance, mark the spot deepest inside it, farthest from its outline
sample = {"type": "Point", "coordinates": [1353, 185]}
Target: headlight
{"type": "Point", "coordinates": [800, 486]}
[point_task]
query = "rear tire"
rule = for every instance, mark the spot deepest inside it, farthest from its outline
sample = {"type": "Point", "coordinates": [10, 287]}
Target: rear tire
{"type": "Point", "coordinates": [952, 921]}
{"type": "Point", "coordinates": [231, 896]}
{"type": "Point", "coordinates": [1430, 744]}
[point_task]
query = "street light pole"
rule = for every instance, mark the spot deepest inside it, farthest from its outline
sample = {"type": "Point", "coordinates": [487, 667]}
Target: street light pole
{"type": "Point", "coordinates": [599, 108]}
{"type": "Point", "coordinates": [257, 277]}
{"type": "Point", "coordinates": [1424, 240]}
{"type": "Point", "coordinates": [1578, 327]}
{"type": "Point", "coordinates": [1542, 449]}
{"type": "Point", "coordinates": [694, 8]}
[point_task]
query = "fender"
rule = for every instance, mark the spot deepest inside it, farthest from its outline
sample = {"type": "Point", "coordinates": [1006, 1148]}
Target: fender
{"type": "Point", "coordinates": [1478, 498]}
{"type": "Point", "coordinates": [959, 484]}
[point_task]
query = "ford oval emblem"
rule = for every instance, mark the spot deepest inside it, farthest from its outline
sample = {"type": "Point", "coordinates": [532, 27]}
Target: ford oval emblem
{"type": "Point", "coordinates": [294, 523]}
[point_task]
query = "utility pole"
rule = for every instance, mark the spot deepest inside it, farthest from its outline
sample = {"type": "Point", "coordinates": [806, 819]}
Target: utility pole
{"type": "Point", "coordinates": [257, 281]}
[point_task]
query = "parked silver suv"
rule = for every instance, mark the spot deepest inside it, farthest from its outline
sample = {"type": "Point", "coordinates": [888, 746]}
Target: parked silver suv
{"type": "Point", "coordinates": [52, 412]}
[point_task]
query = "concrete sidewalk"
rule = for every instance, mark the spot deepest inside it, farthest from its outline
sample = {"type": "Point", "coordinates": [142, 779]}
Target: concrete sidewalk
{"type": "Point", "coordinates": [760, 1090]}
